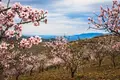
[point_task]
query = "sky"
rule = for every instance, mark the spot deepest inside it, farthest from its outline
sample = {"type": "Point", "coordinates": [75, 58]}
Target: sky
{"type": "Point", "coordinates": [65, 17]}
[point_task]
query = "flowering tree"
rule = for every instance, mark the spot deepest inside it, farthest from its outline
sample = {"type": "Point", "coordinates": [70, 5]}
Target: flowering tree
{"type": "Point", "coordinates": [77, 59]}
{"type": "Point", "coordinates": [113, 49]}
{"type": "Point", "coordinates": [57, 48]}
{"type": "Point", "coordinates": [42, 62]}
{"type": "Point", "coordinates": [10, 27]}
{"type": "Point", "coordinates": [97, 52]}
{"type": "Point", "coordinates": [108, 19]}
{"type": "Point", "coordinates": [9, 56]}
{"type": "Point", "coordinates": [11, 20]}
{"type": "Point", "coordinates": [17, 64]}
{"type": "Point", "coordinates": [66, 53]}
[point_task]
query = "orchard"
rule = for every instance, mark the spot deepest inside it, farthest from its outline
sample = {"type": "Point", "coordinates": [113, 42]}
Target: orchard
{"type": "Point", "coordinates": [33, 58]}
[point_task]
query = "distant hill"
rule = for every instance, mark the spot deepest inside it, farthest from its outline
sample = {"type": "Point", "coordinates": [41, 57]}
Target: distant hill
{"type": "Point", "coordinates": [70, 38]}
{"type": "Point", "coordinates": [44, 37]}
{"type": "Point", "coordinates": [83, 36]}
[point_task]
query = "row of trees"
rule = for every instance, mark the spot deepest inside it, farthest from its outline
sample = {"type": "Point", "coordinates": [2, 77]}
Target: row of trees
{"type": "Point", "coordinates": [73, 55]}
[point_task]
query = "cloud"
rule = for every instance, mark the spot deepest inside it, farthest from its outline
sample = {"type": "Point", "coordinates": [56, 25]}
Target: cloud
{"type": "Point", "coordinates": [78, 5]}
{"type": "Point", "coordinates": [65, 16]}
{"type": "Point", "coordinates": [57, 24]}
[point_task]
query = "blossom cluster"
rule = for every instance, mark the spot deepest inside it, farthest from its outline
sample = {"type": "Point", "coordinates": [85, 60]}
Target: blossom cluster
{"type": "Point", "coordinates": [108, 19]}
{"type": "Point", "coordinates": [6, 46]}
{"type": "Point", "coordinates": [59, 48]}
{"type": "Point", "coordinates": [116, 46]}
{"type": "Point", "coordinates": [11, 19]}
{"type": "Point", "coordinates": [59, 41]}
{"type": "Point", "coordinates": [16, 63]}
{"type": "Point", "coordinates": [24, 43]}
{"type": "Point", "coordinates": [27, 43]}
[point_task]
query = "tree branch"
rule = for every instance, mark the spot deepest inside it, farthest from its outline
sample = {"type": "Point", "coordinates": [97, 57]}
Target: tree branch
{"type": "Point", "coordinates": [5, 9]}
{"type": "Point", "coordinates": [8, 3]}
{"type": "Point", "coordinates": [31, 21]}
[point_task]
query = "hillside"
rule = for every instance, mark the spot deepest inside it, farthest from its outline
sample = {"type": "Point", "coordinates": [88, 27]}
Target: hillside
{"type": "Point", "coordinates": [88, 71]}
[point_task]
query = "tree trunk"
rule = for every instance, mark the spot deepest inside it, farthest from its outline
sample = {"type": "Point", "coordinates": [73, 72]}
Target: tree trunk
{"type": "Point", "coordinates": [83, 69]}
{"type": "Point", "coordinates": [113, 62]}
{"type": "Point", "coordinates": [17, 77]}
{"type": "Point", "coordinates": [73, 70]}
{"type": "Point", "coordinates": [1, 77]}
{"type": "Point", "coordinates": [41, 69]}
{"type": "Point", "coordinates": [31, 71]}
{"type": "Point", "coordinates": [1, 72]}
{"type": "Point", "coordinates": [100, 62]}
{"type": "Point", "coordinates": [72, 74]}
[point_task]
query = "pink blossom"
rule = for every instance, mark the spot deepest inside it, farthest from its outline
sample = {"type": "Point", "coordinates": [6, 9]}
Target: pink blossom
{"type": "Point", "coordinates": [1, 6]}
{"type": "Point", "coordinates": [27, 43]}
{"type": "Point", "coordinates": [107, 18]}
{"type": "Point", "coordinates": [3, 46]}
{"type": "Point", "coordinates": [10, 27]}
{"type": "Point", "coordinates": [9, 34]}
{"type": "Point", "coordinates": [45, 21]}
{"type": "Point", "coordinates": [36, 23]}
{"type": "Point", "coordinates": [1, 28]}
{"type": "Point", "coordinates": [46, 12]}
{"type": "Point", "coordinates": [18, 28]}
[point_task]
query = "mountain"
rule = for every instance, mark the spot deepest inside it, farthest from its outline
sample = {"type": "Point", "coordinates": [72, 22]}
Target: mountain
{"type": "Point", "coordinates": [83, 36]}
{"type": "Point", "coordinates": [70, 38]}
{"type": "Point", "coordinates": [44, 37]}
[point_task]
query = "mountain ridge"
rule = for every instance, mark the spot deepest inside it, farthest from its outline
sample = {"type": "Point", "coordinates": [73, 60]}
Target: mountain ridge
{"type": "Point", "coordinates": [70, 37]}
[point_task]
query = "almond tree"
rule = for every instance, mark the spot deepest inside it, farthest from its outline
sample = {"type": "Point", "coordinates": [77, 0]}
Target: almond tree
{"type": "Point", "coordinates": [98, 49]}
{"type": "Point", "coordinates": [19, 64]}
{"type": "Point", "coordinates": [97, 52]}
{"type": "Point", "coordinates": [9, 27]}
{"type": "Point", "coordinates": [114, 51]}
{"type": "Point", "coordinates": [70, 55]}
{"type": "Point", "coordinates": [36, 62]}
{"type": "Point", "coordinates": [42, 62]}
{"type": "Point", "coordinates": [77, 57]}
{"type": "Point", "coordinates": [57, 49]}
{"type": "Point", "coordinates": [11, 20]}
{"type": "Point", "coordinates": [108, 19]}
{"type": "Point", "coordinates": [15, 60]}
{"type": "Point", "coordinates": [112, 48]}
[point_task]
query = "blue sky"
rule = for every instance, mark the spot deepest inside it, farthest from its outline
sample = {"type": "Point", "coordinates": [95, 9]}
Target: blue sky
{"type": "Point", "coordinates": [67, 17]}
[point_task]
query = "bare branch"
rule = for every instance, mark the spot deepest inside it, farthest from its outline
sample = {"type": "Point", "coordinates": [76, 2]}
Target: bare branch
{"type": "Point", "coordinates": [31, 21]}
{"type": "Point", "coordinates": [8, 3]}
{"type": "Point", "coordinates": [5, 9]}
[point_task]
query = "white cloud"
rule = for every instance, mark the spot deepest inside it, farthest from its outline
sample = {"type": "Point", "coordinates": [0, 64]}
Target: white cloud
{"type": "Point", "coordinates": [58, 22]}
{"type": "Point", "coordinates": [67, 6]}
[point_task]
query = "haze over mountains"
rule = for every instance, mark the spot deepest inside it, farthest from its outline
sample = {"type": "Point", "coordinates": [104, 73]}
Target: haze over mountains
{"type": "Point", "coordinates": [71, 37]}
